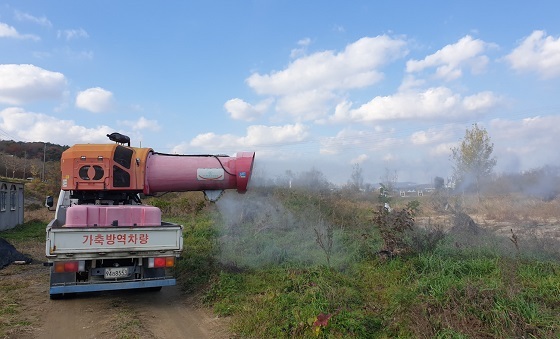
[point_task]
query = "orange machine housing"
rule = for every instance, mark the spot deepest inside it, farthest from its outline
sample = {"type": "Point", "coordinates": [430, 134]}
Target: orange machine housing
{"type": "Point", "coordinates": [87, 167]}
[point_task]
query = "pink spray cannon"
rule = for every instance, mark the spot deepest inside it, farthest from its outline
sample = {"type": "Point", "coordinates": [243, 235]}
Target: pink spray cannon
{"type": "Point", "coordinates": [115, 172]}
{"type": "Point", "coordinates": [211, 174]}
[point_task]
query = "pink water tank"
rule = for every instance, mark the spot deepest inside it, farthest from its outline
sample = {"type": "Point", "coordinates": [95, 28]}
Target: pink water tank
{"type": "Point", "coordinates": [119, 215]}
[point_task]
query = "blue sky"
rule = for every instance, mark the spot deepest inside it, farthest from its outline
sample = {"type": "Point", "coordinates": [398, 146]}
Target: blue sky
{"type": "Point", "coordinates": [391, 86]}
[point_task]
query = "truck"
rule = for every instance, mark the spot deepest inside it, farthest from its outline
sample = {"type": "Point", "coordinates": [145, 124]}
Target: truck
{"type": "Point", "coordinates": [103, 237]}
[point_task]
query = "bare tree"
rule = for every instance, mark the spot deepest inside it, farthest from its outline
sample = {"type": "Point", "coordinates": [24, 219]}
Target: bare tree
{"type": "Point", "coordinates": [357, 178]}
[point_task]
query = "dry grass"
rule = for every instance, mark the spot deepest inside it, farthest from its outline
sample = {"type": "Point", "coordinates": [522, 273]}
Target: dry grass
{"type": "Point", "coordinates": [520, 208]}
{"type": "Point", "coordinates": [512, 208]}
{"type": "Point", "coordinates": [42, 214]}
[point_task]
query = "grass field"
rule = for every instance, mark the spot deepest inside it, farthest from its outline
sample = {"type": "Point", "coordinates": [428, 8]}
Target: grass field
{"type": "Point", "coordinates": [29, 239]}
{"type": "Point", "coordinates": [298, 264]}
{"type": "Point", "coordinates": [261, 261]}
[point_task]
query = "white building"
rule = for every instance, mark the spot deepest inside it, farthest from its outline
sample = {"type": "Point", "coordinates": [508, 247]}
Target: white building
{"type": "Point", "coordinates": [11, 204]}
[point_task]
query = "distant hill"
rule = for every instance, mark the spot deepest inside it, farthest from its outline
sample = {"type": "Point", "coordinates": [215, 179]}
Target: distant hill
{"type": "Point", "coordinates": [24, 161]}
{"type": "Point", "coordinates": [32, 150]}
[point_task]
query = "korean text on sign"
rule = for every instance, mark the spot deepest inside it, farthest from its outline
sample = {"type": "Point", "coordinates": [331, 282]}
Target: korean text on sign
{"type": "Point", "coordinates": [116, 239]}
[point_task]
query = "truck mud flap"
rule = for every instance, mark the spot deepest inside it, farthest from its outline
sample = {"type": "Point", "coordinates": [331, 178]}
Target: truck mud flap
{"type": "Point", "coordinates": [109, 286]}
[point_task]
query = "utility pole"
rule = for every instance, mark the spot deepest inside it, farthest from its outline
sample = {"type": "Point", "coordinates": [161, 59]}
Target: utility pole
{"type": "Point", "coordinates": [44, 159]}
{"type": "Point", "coordinates": [24, 163]}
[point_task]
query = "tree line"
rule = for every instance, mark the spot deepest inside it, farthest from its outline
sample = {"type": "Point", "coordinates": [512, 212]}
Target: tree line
{"type": "Point", "coordinates": [25, 160]}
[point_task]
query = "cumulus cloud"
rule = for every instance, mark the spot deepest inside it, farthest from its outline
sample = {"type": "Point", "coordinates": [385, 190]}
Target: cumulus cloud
{"type": "Point", "coordinates": [538, 53]}
{"type": "Point", "coordinates": [437, 103]}
{"type": "Point", "coordinates": [241, 110]}
{"type": "Point", "coordinates": [22, 84]}
{"type": "Point", "coordinates": [29, 126]}
{"type": "Point", "coordinates": [257, 135]}
{"type": "Point", "coordinates": [141, 124]}
{"type": "Point", "coordinates": [7, 31]}
{"type": "Point", "coordinates": [309, 85]}
{"type": "Point", "coordinates": [95, 100]}
{"type": "Point", "coordinates": [451, 59]}
{"type": "Point", "coordinates": [355, 67]}
{"type": "Point", "coordinates": [306, 105]}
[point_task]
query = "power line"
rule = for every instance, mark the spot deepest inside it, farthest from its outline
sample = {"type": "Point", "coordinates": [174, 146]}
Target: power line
{"type": "Point", "coordinates": [6, 134]}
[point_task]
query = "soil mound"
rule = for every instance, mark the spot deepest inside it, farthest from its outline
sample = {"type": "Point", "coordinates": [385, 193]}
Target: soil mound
{"type": "Point", "coordinates": [464, 224]}
{"type": "Point", "coordinates": [9, 254]}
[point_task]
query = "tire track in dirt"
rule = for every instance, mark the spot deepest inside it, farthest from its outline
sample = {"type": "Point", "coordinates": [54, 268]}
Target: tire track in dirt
{"type": "Point", "coordinates": [103, 315]}
{"type": "Point", "coordinates": [135, 313]}
{"type": "Point", "coordinates": [167, 314]}
{"type": "Point", "coordinates": [76, 318]}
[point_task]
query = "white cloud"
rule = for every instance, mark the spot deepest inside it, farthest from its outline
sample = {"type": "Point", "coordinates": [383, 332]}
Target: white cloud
{"type": "Point", "coordinates": [7, 31]}
{"type": "Point", "coordinates": [141, 124]}
{"type": "Point", "coordinates": [390, 157]}
{"type": "Point", "coordinates": [431, 136]}
{"type": "Point", "coordinates": [410, 82]}
{"type": "Point", "coordinates": [350, 139]}
{"type": "Point", "coordinates": [70, 34]}
{"type": "Point", "coordinates": [481, 101]}
{"type": "Point", "coordinates": [297, 52]}
{"type": "Point", "coordinates": [43, 21]}
{"type": "Point", "coordinates": [451, 59]}
{"type": "Point", "coordinates": [438, 103]}
{"type": "Point", "coordinates": [306, 105]}
{"type": "Point", "coordinates": [360, 159]}
{"type": "Point", "coordinates": [309, 85]}
{"type": "Point", "coordinates": [355, 67]}
{"type": "Point", "coordinates": [257, 135]}
{"type": "Point", "coordinates": [345, 139]}
{"type": "Point", "coordinates": [95, 100]}
{"type": "Point", "coordinates": [272, 135]}
{"type": "Point", "coordinates": [241, 110]}
{"type": "Point", "coordinates": [21, 84]}
{"type": "Point", "coordinates": [537, 53]}
{"type": "Point", "coordinates": [527, 142]}
{"type": "Point", "coordinates": [29, 126]}
{"type": "Point", "coordinates": [532, 128]}
{"type": "Point", "coordinates": [443, 149]}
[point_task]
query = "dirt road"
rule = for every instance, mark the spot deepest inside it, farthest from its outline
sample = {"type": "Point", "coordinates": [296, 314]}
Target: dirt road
{"type": "Point", "coordinates": [126, 314]}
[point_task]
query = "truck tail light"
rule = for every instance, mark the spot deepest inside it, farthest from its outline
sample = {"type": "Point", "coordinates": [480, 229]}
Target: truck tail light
{"type": "Point", "coordinates": [70, 266]}
{"type": "Point", "coordinates": [161, 262]}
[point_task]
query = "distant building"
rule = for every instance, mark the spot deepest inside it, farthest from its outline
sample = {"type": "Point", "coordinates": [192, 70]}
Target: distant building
{"type": "Point", "coordinates": [11, 204]}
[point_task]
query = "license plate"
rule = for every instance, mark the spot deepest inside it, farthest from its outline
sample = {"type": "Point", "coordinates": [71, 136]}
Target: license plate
{"type": "Point", "coordinates": [118, 272]}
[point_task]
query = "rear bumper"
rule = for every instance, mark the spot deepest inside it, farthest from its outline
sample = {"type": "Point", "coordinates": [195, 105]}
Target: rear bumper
{"type": "Point", "coordinates": [110, 286]}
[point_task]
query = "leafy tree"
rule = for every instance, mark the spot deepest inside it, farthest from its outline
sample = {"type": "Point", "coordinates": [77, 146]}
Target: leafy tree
{"type": "Point", "coordinates": [473, 158]}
